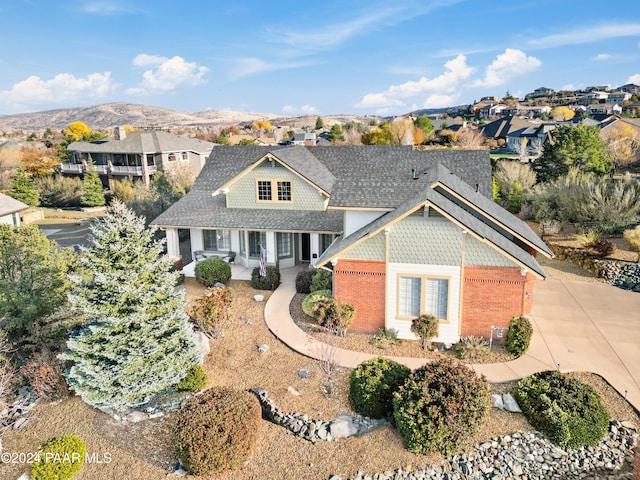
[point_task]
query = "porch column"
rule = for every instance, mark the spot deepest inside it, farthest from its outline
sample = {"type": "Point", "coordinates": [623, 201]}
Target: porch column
{"type": "Point", "coordinates": [314, 245]}
{"type": "Point", "coordinates": [197, 242]}
{"type": "Point", "coordinates": [271, 248]}
{"type": "Point", "coordinates": [173, 242]}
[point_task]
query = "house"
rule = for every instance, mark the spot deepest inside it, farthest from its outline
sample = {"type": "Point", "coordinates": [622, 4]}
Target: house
{"type": "Point", "coordinates": [404, 231]}
{"type": "Point", "coordinates": [604, 109]}
{"type": "Point", "coordinates": [10, 209]}
{"type": "Point", "coordinates": [137, 154]}
{"type": "Point", "coordinates": [631, 88]}
{"type": "Point", "coordinates": [499, 129]}
{"type": "Point", "coordinates": [618, 97]}
{"type": "Point", "coordinates": [307, 139]}
{"type": "Point", "coordinates": [529, 141]}
{"type": "Point", "coordinates": [543, 92]}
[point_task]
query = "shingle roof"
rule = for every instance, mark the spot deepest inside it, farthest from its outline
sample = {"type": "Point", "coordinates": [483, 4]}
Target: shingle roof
{"type": "Point", "coordinates": [199, 209]}
{"type": "Point", "coordinates": [478, 222]}
{"type": "Point", "coordinates": [501, 127]}
{"type": "Point", "coordinates": [143, 142]}
{"type": "Point", "coordinates": [9, 205]}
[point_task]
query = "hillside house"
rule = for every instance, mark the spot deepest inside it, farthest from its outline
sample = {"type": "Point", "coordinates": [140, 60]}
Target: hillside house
{"type": "Point", "coordinates": [403, 231]}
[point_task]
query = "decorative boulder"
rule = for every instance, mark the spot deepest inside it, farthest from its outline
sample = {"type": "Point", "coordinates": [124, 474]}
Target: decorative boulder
{"type": "Point", "coordinates": [343, 426]}
{"type": "Point", "coordinates": [203, 343]}
{"type": "Point", "coordinates": [510, 404]}
{"type": "Point", "coordinates": [496, 401]}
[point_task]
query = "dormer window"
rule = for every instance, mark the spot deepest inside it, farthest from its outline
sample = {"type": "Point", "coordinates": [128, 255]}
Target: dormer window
{"type": "Point", "coordinates": [274, 191]}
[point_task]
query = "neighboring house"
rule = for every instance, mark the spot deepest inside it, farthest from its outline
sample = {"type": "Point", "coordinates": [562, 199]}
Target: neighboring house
{"type": "Point", "coordinates": [10, 209]}
{"type": "Point", "coordinates": [633, 109]}
{"type": "Point", "coordinates": [618, 97]}
{"type": "Point", "coordinates": [529, 141]}
{"type": "Point", "coordinates": [404, 231]}
{"type": "Point", "coordinates": [307, 139]}
{"type": "Point", "coordinates": [499, 129]}
{"type": "Point", "coordinates": [604, 109]}
{"type": "Point", "coordinates": [543, 92]}
{"type": "Point", "coordinates": [631, 88]}
{"type": "Point", "coordinates": [138, 154]}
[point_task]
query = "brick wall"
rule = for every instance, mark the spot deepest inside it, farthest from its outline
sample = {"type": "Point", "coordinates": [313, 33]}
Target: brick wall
{"type": "Point", "coordinates": [492, 296]}
{"type": "Point", "coordinates": [361, 283]}
{"type": "Point", "coordinates": [636, 465]}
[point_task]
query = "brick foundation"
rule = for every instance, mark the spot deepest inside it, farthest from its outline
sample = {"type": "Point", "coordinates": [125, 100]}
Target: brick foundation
{"type": "Point", "coordinates": [361, 283]}
{"type": "Point", "coordinates": [492, 296]}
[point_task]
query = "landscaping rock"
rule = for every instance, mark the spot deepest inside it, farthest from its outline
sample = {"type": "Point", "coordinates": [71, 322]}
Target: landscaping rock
{"type": "Point", "coordinates": [293, 391]}
{"type": "Point", "coordinates": [510, 404]}
{"type": "Point", "coordinates": [203, 343]}
{"type": "Point", "coordinates": [263, 348]}
{"type": "Point", "coordinates": [343, 426]}
{"type": "Point", "coordinates": [136, 416]}
{"type": "Point", "coordinates": [496, 401]}
{"type": "Point", "coordinates": [304, 373]}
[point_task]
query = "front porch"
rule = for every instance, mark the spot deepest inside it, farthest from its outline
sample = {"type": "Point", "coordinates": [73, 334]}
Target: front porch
{"type": "Point", "coordinates": [238, 272]}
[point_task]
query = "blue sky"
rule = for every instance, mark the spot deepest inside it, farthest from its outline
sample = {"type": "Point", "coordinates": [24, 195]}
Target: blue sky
{"type": "Point", "coordinates": [293, 58]}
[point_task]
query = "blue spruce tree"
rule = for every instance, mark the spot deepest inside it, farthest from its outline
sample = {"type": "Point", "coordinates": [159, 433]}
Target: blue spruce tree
{"type": "Point", "coordinates": [137, 342]}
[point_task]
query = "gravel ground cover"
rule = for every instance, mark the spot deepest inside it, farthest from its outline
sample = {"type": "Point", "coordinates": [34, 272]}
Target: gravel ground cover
{"type": "Point", "coordinates": [144, 451]}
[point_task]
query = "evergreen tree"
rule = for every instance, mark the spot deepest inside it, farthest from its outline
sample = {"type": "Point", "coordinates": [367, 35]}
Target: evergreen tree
{"type": "Point", "coordinates": [335, 134]}
{"type": "Point", "coordinates": [138, 342]}
{"type": "Point", "coordinates": [580, 147]}
{"type": "Point", "coordinates": [93, 195]}
{"type": "Point", "coordinates": [33, 280]}
{"type": "Point", "coordinates": [23, 189]}
{"type": "Point", "coordinates": [319, 123]}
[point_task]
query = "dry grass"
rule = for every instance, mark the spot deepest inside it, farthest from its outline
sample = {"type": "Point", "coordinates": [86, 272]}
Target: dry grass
{"type": "Point", "coordinates": [144, 451]}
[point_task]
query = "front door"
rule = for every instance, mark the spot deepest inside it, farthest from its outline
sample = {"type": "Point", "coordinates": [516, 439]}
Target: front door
{"type": "Point", "coordinates": [305, 250]}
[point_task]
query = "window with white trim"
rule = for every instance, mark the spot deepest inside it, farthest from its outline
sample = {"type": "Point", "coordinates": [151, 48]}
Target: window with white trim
{"type": "Point", "coordinates": [185, 156]}
{"type": "Point", "coordinates": [172, 157]}
{"type": "Point", "coordinates": [255, 240]}
{"type": "Point", "coordinates": [284, 245]}
{"type": "Point", "coordinates": [281, 188]}
{"type": "Point", "coordinates": [422, 294]}
{"type": "Point", "coordinates": [216, 240]}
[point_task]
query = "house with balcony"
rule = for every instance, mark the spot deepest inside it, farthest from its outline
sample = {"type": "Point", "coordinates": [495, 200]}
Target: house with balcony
{"type": "Point", "coordinates": [403, 231]}
{"type": "Point", "coordinates": [137, 154]}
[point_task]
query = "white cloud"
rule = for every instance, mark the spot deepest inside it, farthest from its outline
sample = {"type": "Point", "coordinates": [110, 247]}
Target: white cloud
{"type": "Point", "coordinates": [439, 101]}
{"type": "Point", "coordinates": [64, 88]}
{"type": "Point", "coordinates": [635, 79]}
{"type": "Point", "coordinates": [456, 70]}
{"type": "Point", "coordinates": [512, 63]}
{"type": "Point", "coordinates": [585, 34]}
{"type": "Point", "coordinates": [602, 56]}
{"type": "Point", "coordinates": [303, 110]}
{"type": "Point", "coordinates": [568, 86]}
{"type": "Point", "coordinates": [167, 74]}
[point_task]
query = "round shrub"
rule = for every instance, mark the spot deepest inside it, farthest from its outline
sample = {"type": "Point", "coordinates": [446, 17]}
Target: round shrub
{"type": "Point", "coordinates": [194, 381]}
{"type": "Point", "coordinates": [425, 327]}
{"type": "Point", "coordinates": [568, 411]}
{"type": "Point", "coordinates": [310, 300]}
{"type": "Point", "coordinates": [269, 282]}
{"type": "Point", "coordinates": [211, 313]}
{"type": "Point", "coordinates": [519, 336]}
{"type": "Point", "coordinates": [372, 384]}
{"type": "Point", "coordinates": [321, 280]}
{"type": "Point", "coordinates": [217, 430]}
{"type": "Point", "coordinates": [440, 406]}
{"type": "Point", "coordinates": [334, 314]}
{"type": "Point", "coordinates": [211, 271]}
{"type": "Point", "coordinates": [61, 458]}
{"type": "Point", "coordinates": [303, 281]}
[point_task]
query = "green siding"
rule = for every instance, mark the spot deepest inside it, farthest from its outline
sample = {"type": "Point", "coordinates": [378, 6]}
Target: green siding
{"type": "Point", "coordinates": [370, 249]}
{"type": "Point", "coordinates": [439, 242]}
{"type": "Point", "coordinates": [242, 193]}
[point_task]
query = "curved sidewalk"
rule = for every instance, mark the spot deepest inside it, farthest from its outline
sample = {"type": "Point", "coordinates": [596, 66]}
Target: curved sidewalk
{"type": "Point", "coordinates": [577, 326]}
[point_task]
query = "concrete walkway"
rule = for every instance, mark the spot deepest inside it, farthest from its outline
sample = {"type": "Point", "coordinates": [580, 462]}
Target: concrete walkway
{"type": "Point", "coordinates": [577, 326]}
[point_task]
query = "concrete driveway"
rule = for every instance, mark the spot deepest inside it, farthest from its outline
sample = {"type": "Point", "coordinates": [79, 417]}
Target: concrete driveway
{"type": "Point", "coordinates": [592, 327]}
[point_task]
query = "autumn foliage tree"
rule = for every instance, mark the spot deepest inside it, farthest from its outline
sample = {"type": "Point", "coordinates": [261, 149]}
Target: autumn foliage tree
{"type": "Point", "coordinates": [562, 113]}
{"type": "Point", "coordinates": [39, 162]}
{"type": "Point", "coordinates": [622, 146]}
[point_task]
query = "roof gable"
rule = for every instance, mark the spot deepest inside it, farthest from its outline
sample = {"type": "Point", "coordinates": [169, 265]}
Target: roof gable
{"type": "Point", "coordinates": [9, 205]}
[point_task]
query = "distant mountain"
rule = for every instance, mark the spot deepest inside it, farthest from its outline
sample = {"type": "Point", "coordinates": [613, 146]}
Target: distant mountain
{"type": "Point", "coordinates": [109, 115]}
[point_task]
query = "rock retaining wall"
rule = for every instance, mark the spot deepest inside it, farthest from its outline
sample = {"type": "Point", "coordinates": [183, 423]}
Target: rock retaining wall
{"type": "Point", "coordinates": [527, 456]}
{"type": "Point", "coordinates": [623, 275]}
{"type": "Point", "coordinates": [314, 430]}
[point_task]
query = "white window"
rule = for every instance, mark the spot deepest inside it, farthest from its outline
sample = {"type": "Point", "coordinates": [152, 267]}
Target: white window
{"type": "Point", "coordinates": [257, 239]}
{"type": "Point", "coordinates": [217, 240]}
{"type": "Point", "coordinates": [185, 156]}
{"type": "Point", "coordinates": [264, 191]}
{"type": "Point", "coordinates": [284, 245]}
{"type": "Point", "coordinates": [281, 188]}
{"type": "Point", "coordinates": [418, 295]}
{"type": "Point", "coordinates": [172, 157]}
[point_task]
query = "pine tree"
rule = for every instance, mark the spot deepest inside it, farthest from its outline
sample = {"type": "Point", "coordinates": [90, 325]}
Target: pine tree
{"type": "Point", "coordinates": [138, 342]}
{"type": "Point", "coordinates": [93, 195]}
{"type": "Point", "coordinates": [23, 189]}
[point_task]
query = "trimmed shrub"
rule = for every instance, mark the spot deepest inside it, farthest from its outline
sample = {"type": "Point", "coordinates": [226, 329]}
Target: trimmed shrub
{"type": "Point", "coordinates": [470, 348]}
{"type": "Point", "coordinates": [440, 406]}
{"type": "Point", "coordinates": [213, 270]}
{"type": "Point", "coordinates": [519, 336]}
{"type": "Point", "coordinates": [321, 281]}
{"type": "Point", "coordinates": [425, 327]}
{"type": "Point", "coordinates": [303, 281]}
{"type": "Point", "coordinates": [372, 384]}
{"type": "Point", "coordinates": [217, 430]}
{"type": "Point", "coordinates": [269, 282]}
{"type": "Point", "coordinates": [568, 411]}
{"type": "Point", "coordinates": [310, 300]}
{"type": "Point", "coordinates": [194, 381]}
{"type": "Point", "coordinates": [211, 313]}
{"type": "Point", "coordinates": [601, 247]}
{"type": "Point", "coordinates": [385, 337]}
{"type": "Point", "coordinates": [61, 458]}
{"type": "Point", "coordinates": [632, 237]}
{"type": "Point", "coordinates": [334, 314]}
